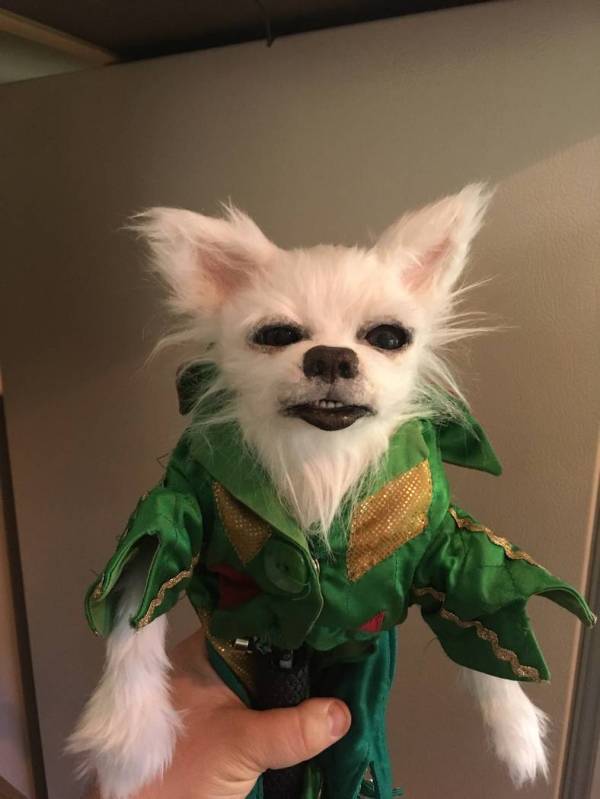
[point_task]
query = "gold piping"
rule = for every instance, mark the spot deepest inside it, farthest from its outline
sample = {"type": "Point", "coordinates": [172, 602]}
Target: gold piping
{"type": "Point", "coordinates": [467, 524]}
{"type": "Point", "coordinates": [506, 655]}
{"type": "Point", "coordinates": [166, 586]}
{"type": "Point", "coordinates": [441, 597]}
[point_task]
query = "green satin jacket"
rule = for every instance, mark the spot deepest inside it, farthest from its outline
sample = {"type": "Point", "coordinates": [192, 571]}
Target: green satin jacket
{"type": "Point", "coordinates": [220, 535]}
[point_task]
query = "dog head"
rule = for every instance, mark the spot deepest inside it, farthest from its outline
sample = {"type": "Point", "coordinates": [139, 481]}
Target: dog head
{"type": "Point", "coordinates": [326, 349]}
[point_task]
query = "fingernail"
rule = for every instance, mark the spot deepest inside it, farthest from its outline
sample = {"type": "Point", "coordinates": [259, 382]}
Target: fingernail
{"type": "Point", "coordinates": [339, 719]}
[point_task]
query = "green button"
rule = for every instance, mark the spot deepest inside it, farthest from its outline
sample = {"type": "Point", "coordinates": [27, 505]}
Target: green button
{"type": "Point", "coordinates": [285, 567]}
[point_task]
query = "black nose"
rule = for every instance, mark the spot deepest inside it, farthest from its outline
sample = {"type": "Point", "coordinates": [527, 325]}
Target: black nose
{"type": "Point", "coordinates": [330, 363]}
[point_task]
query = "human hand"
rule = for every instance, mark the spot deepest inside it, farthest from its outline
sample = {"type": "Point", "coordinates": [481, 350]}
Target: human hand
{"type": "Point", "coordinates": [225, 746]}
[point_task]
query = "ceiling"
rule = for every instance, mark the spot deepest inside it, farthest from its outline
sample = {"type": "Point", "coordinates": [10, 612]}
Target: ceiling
{"type": "Point", "coordinates": [133, 29]}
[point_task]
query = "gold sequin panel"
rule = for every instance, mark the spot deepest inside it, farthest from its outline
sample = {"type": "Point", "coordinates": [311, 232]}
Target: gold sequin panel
{"type": "Point", "coordinates": [388, 519]}
{"type": "Point", "coordinates": [246, 531]}
{"type": "Point", "coordinates": [241, 662]}
{"type": "Point", "coordinates": [506, 655]}
{"type": "Point", "coordinates": [510, 552]}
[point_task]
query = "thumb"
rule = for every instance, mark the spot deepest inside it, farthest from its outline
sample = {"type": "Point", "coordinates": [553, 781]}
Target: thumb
{"type": "Point", "coordinates": [279, 738]}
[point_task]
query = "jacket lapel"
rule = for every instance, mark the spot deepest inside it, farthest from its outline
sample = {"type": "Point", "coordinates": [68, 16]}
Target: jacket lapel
{"type": "Point", "coordinates": [227, 459]}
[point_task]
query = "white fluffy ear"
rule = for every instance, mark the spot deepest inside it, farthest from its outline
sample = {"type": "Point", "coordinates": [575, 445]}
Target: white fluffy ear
{"type": "Point", "coordinates": [202, 259]}
{"type": "Point", "coordinates": [431, 245]}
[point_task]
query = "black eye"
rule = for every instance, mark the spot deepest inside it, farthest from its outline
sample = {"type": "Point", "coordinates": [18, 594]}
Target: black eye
{"type": "Point", "coordinates": [389, 337]}
{"type": "Point", "coordinates": [278, 335]}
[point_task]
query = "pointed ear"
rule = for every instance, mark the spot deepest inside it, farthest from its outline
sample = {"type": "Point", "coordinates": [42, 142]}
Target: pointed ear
{"type": "Point", "coordinates": [203, 260]}
{"type": "Point", "coordinates": [432, 244]}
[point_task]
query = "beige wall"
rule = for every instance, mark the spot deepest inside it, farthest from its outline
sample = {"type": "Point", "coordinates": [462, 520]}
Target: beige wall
{"type": "Point", "coordinates": [321, 137]}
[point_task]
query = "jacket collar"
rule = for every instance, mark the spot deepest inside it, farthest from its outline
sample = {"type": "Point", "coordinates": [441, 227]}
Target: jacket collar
{"type": "Point", "coordinates": [466, 444]}
{"type": "Point", "coordinates": [224, 455]}
{"type": "Point", "coordinates": [228, 460]}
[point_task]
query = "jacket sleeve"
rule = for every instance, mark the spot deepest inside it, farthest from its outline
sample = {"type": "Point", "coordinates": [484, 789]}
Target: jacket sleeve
{"type": "Point", "coordinates": [167, 527]}
{"type": "Point", "coordinates": [473, 587]}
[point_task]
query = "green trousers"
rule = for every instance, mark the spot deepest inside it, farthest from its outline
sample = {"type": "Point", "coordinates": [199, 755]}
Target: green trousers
{"type": "Point", "coordinates": [359, 764]}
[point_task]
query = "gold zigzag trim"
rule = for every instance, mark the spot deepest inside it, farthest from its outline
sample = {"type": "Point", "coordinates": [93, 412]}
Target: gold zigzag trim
{"type": "Point", "coordinates": [162, 591]}
{"type": "Point", "coordinates": [506, 655]}
{"type": "Point", "coordinates": [439, 595]}
{"type": "Point", "coordinates": [513, 554]}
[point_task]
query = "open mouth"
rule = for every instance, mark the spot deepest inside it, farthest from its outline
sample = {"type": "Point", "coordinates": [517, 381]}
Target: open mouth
{"type": "Point", "coordinates": [328, 414]}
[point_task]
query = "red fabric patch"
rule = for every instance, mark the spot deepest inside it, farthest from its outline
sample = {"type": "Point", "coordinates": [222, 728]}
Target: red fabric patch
{"type": "Point", "coordinates": [373, 625]}
{"type": "Point", "coordinates": [235, 588]}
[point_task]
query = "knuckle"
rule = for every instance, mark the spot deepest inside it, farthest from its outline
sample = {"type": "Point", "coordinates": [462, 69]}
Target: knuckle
{"type": "Point", "coordinates": [305, 731]}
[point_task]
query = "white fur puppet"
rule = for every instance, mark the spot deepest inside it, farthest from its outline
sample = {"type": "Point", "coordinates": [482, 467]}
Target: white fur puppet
{"type": "Point", "coordinates": [306, 507]}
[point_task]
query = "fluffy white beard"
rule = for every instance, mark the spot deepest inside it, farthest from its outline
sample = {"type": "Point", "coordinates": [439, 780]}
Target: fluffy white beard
{"type": "Point", "coordinates": [314, 471]}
